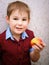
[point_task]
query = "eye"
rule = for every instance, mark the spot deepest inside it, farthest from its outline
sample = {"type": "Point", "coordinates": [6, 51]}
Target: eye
{"type": "Point", "coordinates": [24, 19]}
{"type": "Point", "coordinates": [15, 18]}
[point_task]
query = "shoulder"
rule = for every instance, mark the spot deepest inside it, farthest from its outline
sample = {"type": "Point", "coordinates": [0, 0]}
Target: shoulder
{"type": "Point", "coordinates": [30, 33]}
{"type": "Point", "coordinates": [2, 36]}
{"type": "Point", "coordinates": [30, 36]}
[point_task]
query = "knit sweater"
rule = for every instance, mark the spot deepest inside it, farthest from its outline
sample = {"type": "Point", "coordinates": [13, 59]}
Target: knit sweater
{"type": "Point", "coordinates": [13, 52]}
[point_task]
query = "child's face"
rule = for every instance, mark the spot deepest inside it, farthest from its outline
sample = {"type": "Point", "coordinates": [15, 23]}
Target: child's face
{"type": "Point", "coordinates": [18, 21]}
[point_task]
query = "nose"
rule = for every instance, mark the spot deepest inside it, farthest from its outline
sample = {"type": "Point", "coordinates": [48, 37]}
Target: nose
{"type": "Point", "coordinates": [20, 22]}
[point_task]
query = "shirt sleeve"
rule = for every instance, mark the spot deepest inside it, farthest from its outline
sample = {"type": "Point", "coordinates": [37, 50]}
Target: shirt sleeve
{"type": "Point", "coordinates": [31, 49]}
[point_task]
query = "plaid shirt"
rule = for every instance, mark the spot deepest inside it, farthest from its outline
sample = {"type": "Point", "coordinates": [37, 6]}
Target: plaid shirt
{"type": "Point", "coordinates": [13, 52]}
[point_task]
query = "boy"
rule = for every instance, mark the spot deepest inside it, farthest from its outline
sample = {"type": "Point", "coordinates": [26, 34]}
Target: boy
{"type": "Point", "coordinates": [15, 47]}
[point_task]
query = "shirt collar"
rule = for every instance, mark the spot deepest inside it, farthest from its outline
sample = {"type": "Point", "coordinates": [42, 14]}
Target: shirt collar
{"type": "Point", "coordinates": [9, 34]}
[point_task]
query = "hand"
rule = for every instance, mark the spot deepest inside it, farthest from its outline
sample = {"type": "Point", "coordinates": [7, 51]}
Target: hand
{"type": "Point", "coordinates": [37, 43]}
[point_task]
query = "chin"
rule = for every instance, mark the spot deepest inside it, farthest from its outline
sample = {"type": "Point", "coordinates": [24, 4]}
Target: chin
{"type": "Point", "coordinates": [18, 32]}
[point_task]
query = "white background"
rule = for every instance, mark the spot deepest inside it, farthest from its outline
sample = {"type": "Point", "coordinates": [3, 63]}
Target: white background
{"type": "Point", "coordinates": [39, 23]}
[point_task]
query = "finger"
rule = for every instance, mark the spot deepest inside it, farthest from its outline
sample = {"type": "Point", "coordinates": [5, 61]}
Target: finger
{"type": "Point", "coordinates": [43, 44]}
{"type": "Point", "coordinates": [35, 47]}
{"type": "Point", "coordinates": [39, 45]}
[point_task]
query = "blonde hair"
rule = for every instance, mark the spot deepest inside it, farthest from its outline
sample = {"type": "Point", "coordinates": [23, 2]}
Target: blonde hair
{"type": "Point", "coordinates": [18, 5]}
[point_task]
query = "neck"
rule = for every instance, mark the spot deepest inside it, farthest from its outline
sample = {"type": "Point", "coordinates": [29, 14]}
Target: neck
{"type": "Point", "coordinates": [16, 36]}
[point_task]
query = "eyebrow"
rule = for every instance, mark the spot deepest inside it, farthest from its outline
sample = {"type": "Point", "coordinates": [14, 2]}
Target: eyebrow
{"type": "Point", "coordinates": [22, 17]}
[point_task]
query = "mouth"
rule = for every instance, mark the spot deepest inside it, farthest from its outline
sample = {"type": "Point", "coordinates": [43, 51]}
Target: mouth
{"type": "Point", "coordinates": [19, 28]}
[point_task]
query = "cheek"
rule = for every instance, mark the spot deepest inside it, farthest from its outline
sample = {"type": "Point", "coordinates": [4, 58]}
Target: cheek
{"type": "Point", "coordinates": [11, 25]}
{"type": "Point", "coordinates": [25, 25]}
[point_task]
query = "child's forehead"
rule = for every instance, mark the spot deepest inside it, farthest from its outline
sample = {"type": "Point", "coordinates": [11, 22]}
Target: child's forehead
{"type": "Point", "coordinates": [20, 12]}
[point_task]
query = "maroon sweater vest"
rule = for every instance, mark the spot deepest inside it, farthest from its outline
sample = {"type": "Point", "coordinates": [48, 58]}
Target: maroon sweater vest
{"type": "Point", "coordinates": [14, 52]}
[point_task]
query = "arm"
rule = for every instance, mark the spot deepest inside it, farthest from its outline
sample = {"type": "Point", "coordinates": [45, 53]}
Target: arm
{"type": "Point", "coordinates": [37, 46]}
{"type": "Point", "coordinates": [35, 55]}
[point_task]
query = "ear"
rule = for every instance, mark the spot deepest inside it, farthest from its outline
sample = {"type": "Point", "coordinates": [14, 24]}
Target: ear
{"type": "Point", "coordinates": [7, 19]}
